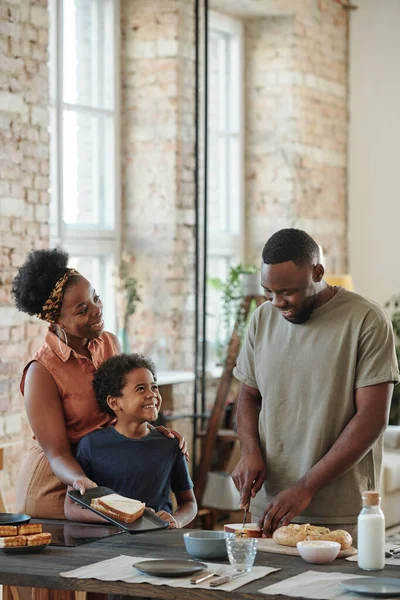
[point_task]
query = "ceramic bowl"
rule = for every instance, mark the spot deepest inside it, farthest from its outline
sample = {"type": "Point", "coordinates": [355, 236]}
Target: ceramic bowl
{"type": "Point", "coordinates": [318, 552]}
{"type": "Point", "coordinates": [205, 544]}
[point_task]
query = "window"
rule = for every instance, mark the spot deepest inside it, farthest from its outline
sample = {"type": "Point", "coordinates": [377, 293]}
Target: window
{"type": "Point", "coordinates": [84, 96]}
{"type": "Point", "coordinates": [225, 160]}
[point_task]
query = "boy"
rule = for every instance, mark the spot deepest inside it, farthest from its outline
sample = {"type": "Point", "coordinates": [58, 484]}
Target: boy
{"type": "Point", "coordinates": [128, 457]}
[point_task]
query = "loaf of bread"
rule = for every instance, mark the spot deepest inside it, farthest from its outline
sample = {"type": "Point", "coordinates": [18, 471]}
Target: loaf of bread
{"type": "Point", "coordinates": [289, 535]}
{"type": "Point", "coordinates": [339, 535]}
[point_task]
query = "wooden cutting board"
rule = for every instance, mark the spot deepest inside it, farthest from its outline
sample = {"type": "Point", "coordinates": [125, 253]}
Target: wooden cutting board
{"type": "Point", "coordinates": [269, 545]}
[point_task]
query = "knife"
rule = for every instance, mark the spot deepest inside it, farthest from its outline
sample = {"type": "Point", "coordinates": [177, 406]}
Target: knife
{"type": "Point", "coordinates": [222, 580]}
{"type": "Point", "coordinates": [246, 506]}
{"type": "Point", "coordinates": [202, 577]}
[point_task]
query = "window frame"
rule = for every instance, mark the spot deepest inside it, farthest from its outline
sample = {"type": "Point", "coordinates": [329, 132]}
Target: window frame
{"type": "Point", "coordinates": [234, 28]}
{"type": "Point", "coordinates": [228, 246]}
{"type": "Point", "coordinates": [82, 239]}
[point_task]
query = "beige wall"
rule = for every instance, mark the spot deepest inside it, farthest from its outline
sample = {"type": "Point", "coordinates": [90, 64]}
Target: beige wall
{"type": "Point", "coordinates": [296, 127]}
{"type": "Point", "coordinates": [374, 155]}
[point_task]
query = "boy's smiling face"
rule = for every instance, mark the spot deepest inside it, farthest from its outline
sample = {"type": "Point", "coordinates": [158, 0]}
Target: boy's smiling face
{"type": "Point", "coordinates": [140, 400]}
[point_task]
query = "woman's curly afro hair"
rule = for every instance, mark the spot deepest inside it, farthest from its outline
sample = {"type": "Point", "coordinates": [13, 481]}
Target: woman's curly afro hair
{"type": "Point", "coordinates": [37, 277]}
{"type": "Point", "coordinates": [110, 377]}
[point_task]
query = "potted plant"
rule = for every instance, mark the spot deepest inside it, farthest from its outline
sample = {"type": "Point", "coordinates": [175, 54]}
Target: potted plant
{"type": "Point", "coordinates": [393, 306]}
{"type": "Point", "coordinates": [127, 298]}
{"type": "Point", "coordinates": [243, 280]}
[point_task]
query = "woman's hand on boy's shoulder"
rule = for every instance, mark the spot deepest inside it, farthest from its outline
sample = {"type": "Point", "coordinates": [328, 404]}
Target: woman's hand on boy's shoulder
{"type": "Point", "coordinates": [173, 523]}
{"type": "Point", "coordinates": [172, 433]}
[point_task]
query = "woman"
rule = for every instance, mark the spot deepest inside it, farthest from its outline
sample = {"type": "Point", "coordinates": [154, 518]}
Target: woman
{"type": "Point", "coordinates": [57, 381]}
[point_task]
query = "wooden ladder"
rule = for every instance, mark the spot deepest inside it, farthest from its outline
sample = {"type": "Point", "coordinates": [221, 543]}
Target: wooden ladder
{"type": "Point", "coordinates": [214, 433]}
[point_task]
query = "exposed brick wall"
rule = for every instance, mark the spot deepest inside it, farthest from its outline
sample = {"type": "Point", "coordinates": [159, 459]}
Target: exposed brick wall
{"type": "Point", "coordinates": [158, 179]}
{"type": "Point", "coordinates": [297, 119]}
{"type": "Point", "coordinates": [24, 181]}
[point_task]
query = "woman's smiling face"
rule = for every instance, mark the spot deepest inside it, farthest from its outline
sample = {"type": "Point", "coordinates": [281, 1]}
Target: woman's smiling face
{"type": "Point", "coordinates": [81, 312]}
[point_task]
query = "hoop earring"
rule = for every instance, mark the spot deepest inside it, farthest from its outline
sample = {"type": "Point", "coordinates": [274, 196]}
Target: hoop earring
{"type": "Point", "coordinates": [59, 329]}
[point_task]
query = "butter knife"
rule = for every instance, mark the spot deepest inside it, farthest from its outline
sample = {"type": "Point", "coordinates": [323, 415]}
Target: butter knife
{"type": "Point", "coordinates": [202, 577]}
{"type": "Point", "coordinates": [222, 580]}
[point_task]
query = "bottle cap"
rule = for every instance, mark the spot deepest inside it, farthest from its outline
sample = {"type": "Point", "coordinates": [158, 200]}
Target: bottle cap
{"type": "Point", "coordinates": [371, 498]}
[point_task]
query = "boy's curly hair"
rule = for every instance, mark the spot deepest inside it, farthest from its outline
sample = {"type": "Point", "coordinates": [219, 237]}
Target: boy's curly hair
{"type": "Point", "coordinates": [110, 377]}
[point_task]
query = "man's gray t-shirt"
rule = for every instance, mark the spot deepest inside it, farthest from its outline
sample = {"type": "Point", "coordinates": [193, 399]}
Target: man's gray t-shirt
{"type": "Point", "coordinates": [307, 375]}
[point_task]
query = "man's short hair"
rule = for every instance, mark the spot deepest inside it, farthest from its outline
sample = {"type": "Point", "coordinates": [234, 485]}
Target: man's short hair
{"type": "Point", "coordinates": [291, 244]}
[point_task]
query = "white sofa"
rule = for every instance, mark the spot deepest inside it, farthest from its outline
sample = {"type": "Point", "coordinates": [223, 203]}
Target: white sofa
{"type": "Point", "coordinates": [390, 481]}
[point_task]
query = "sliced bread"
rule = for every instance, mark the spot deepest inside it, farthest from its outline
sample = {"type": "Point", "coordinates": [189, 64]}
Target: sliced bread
{"type": "Point", "coordinates": [119, 507]}
{"type": "Point", "coordinates": [249, 529]}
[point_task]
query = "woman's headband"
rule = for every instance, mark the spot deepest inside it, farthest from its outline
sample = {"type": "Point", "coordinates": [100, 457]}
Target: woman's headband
{"type": "Point", "coordinates": [52, 307]}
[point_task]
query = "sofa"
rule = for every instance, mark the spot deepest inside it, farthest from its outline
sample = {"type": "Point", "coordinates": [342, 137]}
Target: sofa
{"type": "Point", "coordinates": [390, 479]}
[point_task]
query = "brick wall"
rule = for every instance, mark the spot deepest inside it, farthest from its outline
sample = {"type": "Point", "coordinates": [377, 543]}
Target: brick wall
{"type": "Point", "coordinates": [158, 180]}
{"type": "Point", "coordinates": [24, 181]}
{"type": "Point", "coordinates": [297, 119]}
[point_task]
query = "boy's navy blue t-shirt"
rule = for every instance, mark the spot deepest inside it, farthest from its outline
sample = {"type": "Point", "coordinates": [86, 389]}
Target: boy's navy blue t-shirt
{"type": "Point", "coordinates": [145, 469]}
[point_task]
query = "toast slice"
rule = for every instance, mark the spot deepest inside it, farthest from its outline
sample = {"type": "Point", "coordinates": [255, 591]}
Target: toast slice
{"type": "Point", "coordinates": [29, 528]}
{"type": "Point", "coordinates": [38, 539]}
{"type": "Point", "coordinates": [12, 541]}
{"type": "Point", "coordinates": [8, 530]}
{"type": "Point", "coordinates": [119, 507]}
{"type": "Point", "coordinates": [249, 529]}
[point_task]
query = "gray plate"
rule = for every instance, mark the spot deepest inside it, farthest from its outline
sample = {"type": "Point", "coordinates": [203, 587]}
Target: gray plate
{"type": "Point", "coordinates": [382, 587]}
{"type": "Point", "coordinates": [13, 519]}
{"type": "Point", "coordinates": [146, 523]}
{"type": "Point", "coordinates": [23, 549]}
{"type": "Point", "coordinates": [170, 567]}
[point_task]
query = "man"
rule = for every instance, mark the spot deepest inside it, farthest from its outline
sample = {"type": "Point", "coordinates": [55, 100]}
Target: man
{"type": "Point", "coordinates": [317, 370]}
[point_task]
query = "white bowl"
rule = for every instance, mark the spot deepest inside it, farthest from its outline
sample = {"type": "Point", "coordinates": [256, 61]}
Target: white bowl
{"type": "Point", "coordinates": [318, 552]}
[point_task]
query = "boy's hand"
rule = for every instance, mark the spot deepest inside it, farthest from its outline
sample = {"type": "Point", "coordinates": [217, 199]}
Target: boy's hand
{"type": "Point", "coordinates": [82, 484]}
{"type": "Point", "coordinates": [173, 523]}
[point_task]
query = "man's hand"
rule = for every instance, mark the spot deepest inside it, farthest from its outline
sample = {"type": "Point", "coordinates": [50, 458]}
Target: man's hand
{"type": "Point", "coordinates": [284, 507]}
{"type": "Point", "coordinates": [248, 476]}
{"type": "Point", "coordinates": [173, 523]}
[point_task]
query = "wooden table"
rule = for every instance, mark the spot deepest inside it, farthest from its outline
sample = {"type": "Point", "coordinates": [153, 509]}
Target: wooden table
{"type": "Point", "coordinates": [42, 569]}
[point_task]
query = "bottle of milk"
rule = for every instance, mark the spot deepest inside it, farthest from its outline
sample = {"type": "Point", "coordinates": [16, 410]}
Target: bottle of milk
{"type": "Point", "coordinates": [371, 533]}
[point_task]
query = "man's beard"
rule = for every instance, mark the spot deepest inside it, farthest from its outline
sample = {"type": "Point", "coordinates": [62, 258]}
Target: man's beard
{"type": "Point", "coordinates": [303, 315]}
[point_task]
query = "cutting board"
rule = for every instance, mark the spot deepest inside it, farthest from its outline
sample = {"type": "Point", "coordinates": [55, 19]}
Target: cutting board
{"type": "Point", "coordinates": [269, 545]}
